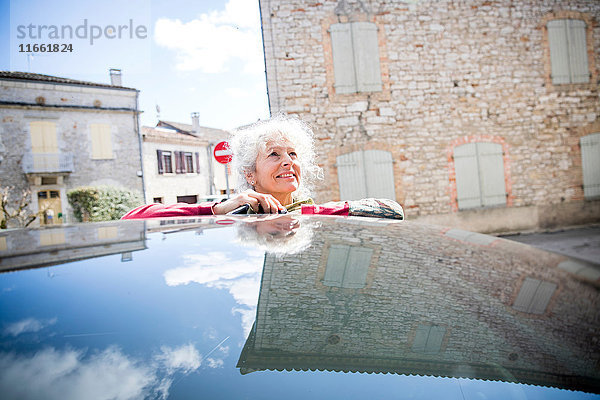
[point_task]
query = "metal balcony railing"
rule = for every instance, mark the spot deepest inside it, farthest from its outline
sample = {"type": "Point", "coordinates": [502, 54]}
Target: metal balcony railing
{"type": "Point", "coordinates": [47, 162]}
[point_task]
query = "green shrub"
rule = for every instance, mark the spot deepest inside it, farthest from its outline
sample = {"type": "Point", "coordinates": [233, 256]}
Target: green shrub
{"type": "Point", "coordinates": [102, 203]}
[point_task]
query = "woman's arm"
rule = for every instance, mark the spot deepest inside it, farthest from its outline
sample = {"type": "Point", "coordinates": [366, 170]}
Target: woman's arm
{"type": "Point", "coordinates": [158, 210]}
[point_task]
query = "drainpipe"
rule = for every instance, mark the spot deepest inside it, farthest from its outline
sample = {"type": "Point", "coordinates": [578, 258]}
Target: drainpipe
{"type": "Point", "coordinates": [136, 123]}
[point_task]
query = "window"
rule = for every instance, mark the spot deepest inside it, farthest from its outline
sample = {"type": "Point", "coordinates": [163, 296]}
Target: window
{"type": "Point", "coordinates": [355, 50]}
{"type": "Point", "coordinates": [479, 171]}
{"type": "Point", "coordinates": [347, 266]}
{"type": "Point", "coordinates": [43, 137]}
{"type": "Point", "coordinates": [590, 162]}
{"type": "Point", "coordinates": [364, 174]}
{"type": "Point", "coordinates": [568, 51]}
{"type": "Point", "coordinates": [164, 162]}
{"type": "Point", "coordinates": [428, 339]}
{"type": "Point", "coordinates": [189, 162]}
{"type": "Point", "coordinates": [157, 200]}
{"type": "Point", "coordinates": [534, 296]}
{"type": "Point", "coordinates": [101, 142]}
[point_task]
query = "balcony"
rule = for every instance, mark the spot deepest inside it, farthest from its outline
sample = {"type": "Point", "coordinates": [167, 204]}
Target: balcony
{"type": "Point", "coordinates": [47, 163]}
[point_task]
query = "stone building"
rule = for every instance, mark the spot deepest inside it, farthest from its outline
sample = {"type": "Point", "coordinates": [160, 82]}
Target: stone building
{"type": "Point", "coordinates": [57, 134]}
{"type": "Point", "coordinates": [478, 114]}
{"type": "Point", "coordinates": [408, 298]}
{"type": "Point", "coordinates": [179, 164]}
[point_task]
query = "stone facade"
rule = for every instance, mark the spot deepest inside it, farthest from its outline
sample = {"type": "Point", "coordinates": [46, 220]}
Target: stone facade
{"type": "Point", "coordinates": [72, 107]}
{"type": "Point", "coordinates": [465, 285]}
{"type": "Point", "coordinates": [452, 72]}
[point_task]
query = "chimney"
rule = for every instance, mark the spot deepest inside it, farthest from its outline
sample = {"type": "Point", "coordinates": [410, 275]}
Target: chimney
{"type": "Point", "coordinates": [195, 122]}
{"type": "Point", "coordinates": [115, 77]}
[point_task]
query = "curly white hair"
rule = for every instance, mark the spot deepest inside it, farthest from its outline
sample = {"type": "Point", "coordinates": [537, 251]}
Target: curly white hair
{"type": "Point", "coordinates": [247, 142]}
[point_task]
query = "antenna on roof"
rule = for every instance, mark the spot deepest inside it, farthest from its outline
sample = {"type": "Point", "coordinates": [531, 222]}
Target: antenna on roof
{"type": "Point", "coordinates": [158, 112]}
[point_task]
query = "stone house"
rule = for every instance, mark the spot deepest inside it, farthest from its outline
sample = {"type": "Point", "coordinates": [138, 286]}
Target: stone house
{"type": "Point", "coordinates": [178, 162]}
{"type": "Point", "coordinates": [57, 134]}
{"type": "Point", "coordinates": [479, 114]}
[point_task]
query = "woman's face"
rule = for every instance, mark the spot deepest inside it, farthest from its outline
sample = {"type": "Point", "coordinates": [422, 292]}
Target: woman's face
{"type": "Point", "coordinates": [277, 169]}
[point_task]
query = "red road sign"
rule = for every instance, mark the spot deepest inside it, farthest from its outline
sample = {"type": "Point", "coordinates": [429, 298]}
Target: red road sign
{"type": "Point", "coordinates": [223, 153]}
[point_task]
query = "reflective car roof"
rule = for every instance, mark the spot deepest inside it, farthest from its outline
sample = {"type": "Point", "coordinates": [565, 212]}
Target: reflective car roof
{"type": "Point", "coordinates": [294, 307]}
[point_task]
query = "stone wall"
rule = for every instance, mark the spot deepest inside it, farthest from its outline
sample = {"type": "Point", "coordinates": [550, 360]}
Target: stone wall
{"type": "Point", "coordinates": [72, 108]}
{"type": "Point", "coordinates": [453, 72]}
{"type": "Point", "coordinates": [466, 284]}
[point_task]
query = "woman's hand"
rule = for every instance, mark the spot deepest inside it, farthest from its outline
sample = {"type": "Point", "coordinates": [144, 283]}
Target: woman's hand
{"type": "Point", "coordinates": [270, 204]}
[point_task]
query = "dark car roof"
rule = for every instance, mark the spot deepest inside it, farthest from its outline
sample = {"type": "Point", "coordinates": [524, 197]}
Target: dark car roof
{"type": "Point", "coordinates": [344, 307]}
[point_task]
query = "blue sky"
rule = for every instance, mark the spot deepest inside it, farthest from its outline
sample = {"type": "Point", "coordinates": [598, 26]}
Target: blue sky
{"type": "Point", "coordinates": [203, 56]}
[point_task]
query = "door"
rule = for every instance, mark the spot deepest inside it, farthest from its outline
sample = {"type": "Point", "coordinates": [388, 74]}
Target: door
{"type": "Point", "coordinates": [50, 207]}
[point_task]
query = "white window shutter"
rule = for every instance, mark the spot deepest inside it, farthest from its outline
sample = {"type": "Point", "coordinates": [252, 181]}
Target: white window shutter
{"type": "Point", "coordinates": [351, 176]}
{"type": "Point", "coordinates": [435, 339]}
{"type": "Point", "coordinates": [534, 296]}
{"type": "Point", "coordinates": [466, 168]}
{"type": "Point", "coordinates": [357, 267]}
{"type": "Point", "coordinates": [379, 174]}
{"type": "Point", "coordinates": [366, 56]}
{"type": "Point", "coordinates": [420, 341]}
{"type": "Point", "coordinates": [343, 63]}
{"type": "Point", "coordinates": [590, 163]}
{"type": "Point", "coordinates": [578, 60]}
{"type": "Point", "coordinates": [559, 51]}
{"type": "Point", "coordinates": [428, 339]}
{"type": "Point", "coordinates": [491, 174]}
{"type": "Point", "coordinates": [336, 265]}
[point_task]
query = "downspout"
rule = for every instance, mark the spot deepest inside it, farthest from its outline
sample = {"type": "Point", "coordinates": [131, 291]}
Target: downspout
{"type": "Point", "coordinates": [211, 177]}
{"type": "Point", "coordinates": [136, 123]}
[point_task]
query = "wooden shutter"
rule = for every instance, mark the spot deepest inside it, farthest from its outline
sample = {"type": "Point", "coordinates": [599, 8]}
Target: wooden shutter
{"type": "Point", "coordinates": [366, 56]}
{"type": "Point", "coordinates": [534, 296]}
{"type": "Point", "coordinates": [160, 161]}
{"type": "Point", "coordinates": [428, 339]}
{"type": "Point", "coordinates": [466, 169]}
{"type": "Point", "coordinates": [347, 266]}
{"type": "Point", "coordinates": [351, 176]}
{"type": "Point", "coordinates": [336, 265]}
{"type": "Point", "coordinates": [343, 58]}
{"type": "Point", "coordinates": [178, 164]}
{"type": "Point", "coordinates": [491, 174]}
{"type": "Point", "coordinates": [101, 141]}
{"type": "Point", "coordinates": [43, 137]}
{"type": "Point", "coordinates": [357, 267]}
{"type": "Point", "coordinates": [197, 162]}
{"type": "Point", "coordinates": [578, 61]}
{"type": "Point", "coordinates": [590, 163]}
{"type": "Point", "coordinates": [559, 51]}
{"type": "Point", "coordinates": [379, 174]}
{"type": "Point", "coordinates": [36, 131]}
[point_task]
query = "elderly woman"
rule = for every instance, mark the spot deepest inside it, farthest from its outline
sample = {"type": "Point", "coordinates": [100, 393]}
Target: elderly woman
{"type": "Point", "coordinates": [275, 165]}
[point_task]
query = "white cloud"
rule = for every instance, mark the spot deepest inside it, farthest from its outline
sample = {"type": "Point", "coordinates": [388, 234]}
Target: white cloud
{"type": "Point", "coordinates": [185, 358]}
{"type": "Point", "coordinates": [109, 374]}
{"type": "Point", "coordinates": [241, 278]}
{"type": "Point", "coordinates": [54, 374]}
{"type": "Point", "coordinates": [237, 93]}
{"type": "Point", "coordinates": [28, 325]}
{"type": "Point", "coordinates": [214, 363]}
{"type": "Point", "coordinates": [211, 41]}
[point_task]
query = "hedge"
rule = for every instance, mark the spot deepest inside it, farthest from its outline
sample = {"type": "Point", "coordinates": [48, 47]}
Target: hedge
{"type": "Point", "coordinates": [102, 203]}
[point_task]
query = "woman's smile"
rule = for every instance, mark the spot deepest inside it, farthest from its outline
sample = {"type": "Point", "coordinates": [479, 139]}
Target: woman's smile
{"type": "Point", "coordinates": [278, 171]}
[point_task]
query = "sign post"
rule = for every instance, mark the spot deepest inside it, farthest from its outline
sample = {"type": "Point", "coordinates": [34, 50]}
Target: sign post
{"type": "Point", "coordinates": [223, 155]}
